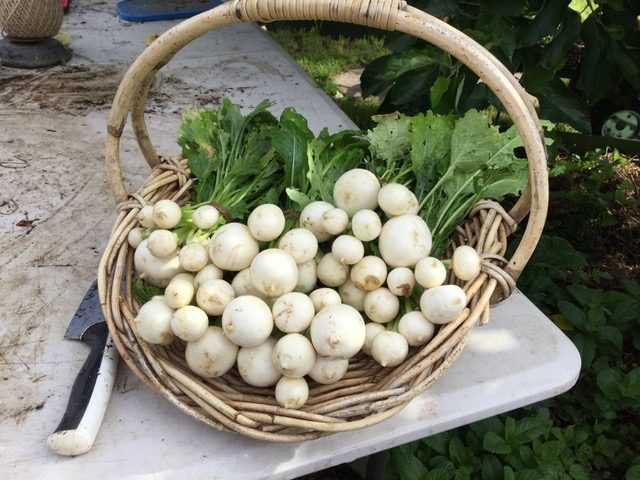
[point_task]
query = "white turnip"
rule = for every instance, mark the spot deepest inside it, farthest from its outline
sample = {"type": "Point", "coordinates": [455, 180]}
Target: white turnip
{"type": "Point", "coordinates": [466, 262]}
{"type": "Point", "coordinates": [366, 225]}
{"type": "Point", "coordinates": [389, 348]}
{"type": "Point", "coordinates": [166, 214]}
{"type": "Point", "coordinates": [274, 272]}
{"type": "Point", "coordinates": [352, 295]}
{"type": "Point", "coordinates": [293, 312]}
{"type": "Point", "coordinates": [372, 329]}
{"type": "Point", "coordinates": [401, 281]}
{"type": "Point", "coordinates": [212, 355]}
{"type": "Point", "coordinates": [335, 221]}
{"type": "Point", "coordinates": [355, 190]}
{"type": "Point", "coordinates": [208, 272]}
{"type": "Point", "coordinates": [369, 273]}
{"type": "Point", "coordinates": [311, 219]}
{"type": "Point", "coordinates": [292, 392]}
{"type": "Point", "coordinates": [442, 304]}
{"type": "Point", "coordinates": [307, 276]}
{"type": "Point", "coordinates": [189, 323]}
{"type": "Point", "coordinates": [300, 243]}
{"type": "Point", "coordinates": [205, 217]}
{"type": "Point", "coordinates": [247, 321]}
{"type": "Point", "coordinates": [331, 272]}
{"type": "Point", "coordinates": [145, 217]}
{"type": "Point", "coordinates": [180, 291]}
{"type": "Point", "coordinates": [430, 272]}
{"type": "Point", "coordinates": [404, 240]}
{"type": "Point", "coordinates": [193, 257]}
{"type": "Point", "coordinates": [415, 328]}
{"type": "Point", "coordinates": [324, 297]}
{"type": "Point", "coordinates": [396, 199]}
{"type": "Point", "coordinates": [154, 322]}
{"type": "Point", "coordinates": [266, 222]}
{"type": "Point", "coordinates": [294, 355]}
{"type": "Point", "coordinates": [328, 370]}
{"type": "Point", "coordinates": [347, 249]}
{"type": "Point", "coordinates": [155, 271]}
{"type": "Point", "coordinates": [135, 237]}
{"type": "Point", "coordinates": [214, 295]}
{"type": "Point", "coordinates": [232, 247]}
{"type": "Point", "coordinates": [338, 331]}
{"type": "Point", "coordinates": [381, 306]}
{"type": "Point", "coordinates": [255, 364]}
{"type": "Point", "coordinates": [162, 243]}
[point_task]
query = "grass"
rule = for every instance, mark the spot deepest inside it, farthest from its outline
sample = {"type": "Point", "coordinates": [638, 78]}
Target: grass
{"type": "Point", "coordinates": [309, 47]}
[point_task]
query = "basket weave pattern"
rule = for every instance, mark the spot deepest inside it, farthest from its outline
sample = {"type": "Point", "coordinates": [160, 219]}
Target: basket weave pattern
{"type": "Point", "coordinates": [368, 393]}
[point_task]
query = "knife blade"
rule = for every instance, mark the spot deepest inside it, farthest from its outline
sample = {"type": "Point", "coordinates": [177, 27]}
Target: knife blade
{"type": "Point", "coordinates": [92, 387]}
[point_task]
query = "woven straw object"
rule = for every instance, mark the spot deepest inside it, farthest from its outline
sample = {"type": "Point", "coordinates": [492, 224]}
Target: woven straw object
{"type": "Point", "coordinates": [30, 19]}
{"type": "Point", "coordinates": [369, 393]}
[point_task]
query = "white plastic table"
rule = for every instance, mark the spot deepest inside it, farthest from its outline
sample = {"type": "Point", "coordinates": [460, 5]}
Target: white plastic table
{"type": "Point", "coordinates": [56, 214]}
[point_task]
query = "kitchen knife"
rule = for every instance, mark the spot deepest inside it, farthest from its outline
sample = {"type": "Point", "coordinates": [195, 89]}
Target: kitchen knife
{"type": "Point", "coordinates": [92, 388]}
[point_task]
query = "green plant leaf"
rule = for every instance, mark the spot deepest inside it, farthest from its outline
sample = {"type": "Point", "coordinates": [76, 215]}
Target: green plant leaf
{"type": "Point", "coordinates": [573, 313]}
{"type": "Point", "coordinates": [633, 473]}
{"type": "Point", "coordinates": [559, 104]}
{"type": "Point", "coordinates": [290, 140]}
{"type": "Point", "coordinates": [494, 443]}
{"type": "Point", "coordinates": [578, 472]}
{"type": "Point", "coordinates": [611, 334]}
{"type": "Point", "coordinates": [389, 139]}
{"type": "Point", "coordinates": [438, 89]}
{"type": "Point", "coordinates": [610, 381]}
{"type": "Point", "coordinates": [544, 23]}
{"type": "Point", "coordinates": [491, 468]}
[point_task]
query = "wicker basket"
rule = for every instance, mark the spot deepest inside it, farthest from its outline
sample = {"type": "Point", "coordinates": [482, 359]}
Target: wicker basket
{"type": "Point", "coordinates": [369, 393]}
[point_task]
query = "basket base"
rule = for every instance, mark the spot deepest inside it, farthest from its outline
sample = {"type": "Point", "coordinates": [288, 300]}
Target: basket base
{"type": "Point", "coordinates": [32, 54]}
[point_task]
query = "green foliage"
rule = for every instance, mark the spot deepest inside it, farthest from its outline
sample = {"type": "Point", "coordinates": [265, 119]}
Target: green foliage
{"type": "Point", "coordinates": [572, 55]}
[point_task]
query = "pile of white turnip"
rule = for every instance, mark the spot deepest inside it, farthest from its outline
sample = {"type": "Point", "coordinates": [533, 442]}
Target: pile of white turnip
{"type": "Point", "coordinates": [282, 306]}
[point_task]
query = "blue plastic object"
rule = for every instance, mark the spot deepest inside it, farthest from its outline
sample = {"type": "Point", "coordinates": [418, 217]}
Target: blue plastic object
{"type": "Point", "coordinates": [154, 10]}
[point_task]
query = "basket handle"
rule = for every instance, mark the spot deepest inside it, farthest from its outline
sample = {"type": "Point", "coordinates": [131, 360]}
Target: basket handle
{"type": "Point", "coordinates": [382, 14]}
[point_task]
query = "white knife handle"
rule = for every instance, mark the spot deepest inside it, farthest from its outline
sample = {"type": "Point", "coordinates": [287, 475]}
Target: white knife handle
{"type": "Point", "coordinates": [79, 440]}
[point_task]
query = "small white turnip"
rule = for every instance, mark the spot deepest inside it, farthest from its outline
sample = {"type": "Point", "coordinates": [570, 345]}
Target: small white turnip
{"type": "Point", "coordinates": [294, 355]}
{"type": "Point", "coordinates": [214, 295]}
{"type": "Point", "coordinates": [366, 225]}
{"type": "Point", "coordinates": [442, 304]}
{"type": "Point", "coordinates": [415, 327]}
{"type": "Point", "coordinates": [352, 295]}
{"type": "Point", "coordinates": [208, 272]}
{"type": "Point", "coordinates": [193, 257]}
{"type": "Point", "coordinates": [381, 306]}
{"type": "Point", "coordinates": [266, 222]}
{"type": "Point", "coordinates": [145, 217]}
{"type": "Point", "coordinates": [255, 364]}
{"type": "Point", "coordinates": [331, 272]}
{"type": "Point", "coordinates": [430, 272]}
{"type": "Point", "coordinates": [335, 221]}
{"type": "Point", "coordinates": [389, 348]}
{"type": "Point", "coordinates": [162, 243]}
{"type": "Point", "coordinates": [311, 219]}
{"type": "Point", "coordinates": [247, 321]}
{"type": "Point", "coordinates": [155, 271]}
{"type": "Point", "coordinates": [135, 237]}
{"type": "Point", "coordinates": [166, 214]}
{"type": "Point", "coordinates": [212, 355]}
{"type": "Point", "coordinates": [205, 217]}
{"type": "Point", "coordinates": [401, 281]}
{"type": "Point", "coordinates": [300, 243]}
{"type": "Point", "coordinates": [307, 276]}
{"type": "Point", "coordinates": [154, 322]}
{"type": "Point", "coordinates": [372, 329]}
{"type": "Point", "coordinates": [369, 273]}
{"type": "Point", "coordinates": [355, 190]}
{"type": "Point", "coordinates": [338, 331]}
{"type": "Point", "coordinates": [189, 323]}
{"type": "Point", "coordinates": [404, 240]}
{"type": "Point", "coordinates": [466, 263]}
{"type": "Point", "coordinates": [347, 249]}
{"type": "Point", "coordinates": [292, 392]}
{"type": "Point", "coordinates": [180, 291]}
{"type": "Point", "coordinates": [328, 370]}
{"type": "Point", "coordinates": [232, 247]}
{"type": "Point", "coordinates": [396, 199]}
{"type": "Point", "coordinates": [293, 312]}
{"type": "Point", "coordinates": [324, 297]}
{"type": "Point", "coordinates": [274, 272]}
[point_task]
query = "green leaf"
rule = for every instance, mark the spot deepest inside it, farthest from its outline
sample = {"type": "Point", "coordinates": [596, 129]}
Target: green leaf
{"type": "Point", "coordinates": [612, 334]}
{"type": "Point", "coordinates": [528, 429]}
{"type": "Point", "coordinates": [458, 452]}
{"type": "Point", "coordinates": [409, 467]}
{"type": "Point", "coordinates": [438, 89]}
{"type": "Point", "coordinates": [578, 472]}
{"type": "Point", "coordinates": [597, 74]}
{"type": "Point", "coordinates": [145, 292]}
{"type": "Point", "coordinates": [610, 381]}
{"type": "Point", "coordinates": [290, 140]}
{"type": "Point", "coordinates": [544, 23]}
{"type": "Point", "coordinates": [441, 472]}
{"type": "Point", "coordinates": [529, 474]}
{"type": "Point", "coordinates": [575, 315]}
{"type": "Point", "coordinates": [491, 468]}
{"type": "Point", "coordinates": [473, 142]}
{"type": "Point", "coordinates": [586, 345]}
{"type": "Point", "coordinates": [494, 443]}
{"type": "Point", "coordinates": [633, 473]}
{"type": "Point", "coordinates": [298, 198]}
{"type": "Point", "coordinates": [555, 53]}
{"type": "Point", "coordinates": [559, 104]}
{"type": "Point", "coordinates": [389, 139]}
